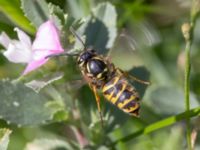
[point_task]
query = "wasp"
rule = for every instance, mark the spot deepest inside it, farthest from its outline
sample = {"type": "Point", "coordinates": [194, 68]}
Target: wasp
{"type": "Point", "coordinates": [101, 74]}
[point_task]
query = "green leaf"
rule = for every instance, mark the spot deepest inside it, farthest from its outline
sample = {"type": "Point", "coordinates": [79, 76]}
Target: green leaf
{"type": "Point", "coordinates": [106, 13]}
{"type": "Point", "coordinates": [49, 144]}
{"type": "Point", "coordinates": [61, 114]}
{"type": "Point", "coordinates": [37, 85]}
{"type": "Point", "coordinates": [58, 15]}
{"type": "Point", "coordinates": [36, 11]}
{"type": "Point", "coordinates": [22, 106]}
{"type": "Point", "coordinates": [4, 138]}
{"type": "Point", "coordinates": [12, 10]}
{"type": "Point", "coordinates": [86, 104]}
{"type": "Point", "coordinates": [170, 100]}
{"type": "Point", "coordinates": [100, 28]}
{"type": "Point", "coordinates": [79, 9]}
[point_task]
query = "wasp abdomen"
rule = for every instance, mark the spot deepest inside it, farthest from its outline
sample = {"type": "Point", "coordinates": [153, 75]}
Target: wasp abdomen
{"type": "Point", "coordinates": [120, 93]}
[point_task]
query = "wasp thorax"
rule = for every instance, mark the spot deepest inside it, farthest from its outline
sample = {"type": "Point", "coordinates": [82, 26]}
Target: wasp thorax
{"type": "Point", "coordinates": [96, 67]}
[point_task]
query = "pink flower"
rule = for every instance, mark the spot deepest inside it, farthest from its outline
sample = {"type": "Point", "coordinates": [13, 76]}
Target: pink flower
{"type": "Point", "coordinates": [47, 42]}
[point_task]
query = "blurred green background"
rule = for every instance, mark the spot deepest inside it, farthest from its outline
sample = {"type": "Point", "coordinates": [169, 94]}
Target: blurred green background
{"type": "Point", "coordinates": [149, 39]}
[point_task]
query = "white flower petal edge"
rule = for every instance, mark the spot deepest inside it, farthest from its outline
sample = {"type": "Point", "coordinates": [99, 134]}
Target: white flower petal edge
{"type": "Point", "coordinates": [4, 40]}
{"type": "Point", "coordinates": [23, 38]}
{"type": "Point", "coordinates": [17, 51]}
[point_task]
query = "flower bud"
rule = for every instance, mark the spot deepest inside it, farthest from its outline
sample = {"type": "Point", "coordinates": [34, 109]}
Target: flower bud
{"type": "Point", "coordinates": [186, 30]}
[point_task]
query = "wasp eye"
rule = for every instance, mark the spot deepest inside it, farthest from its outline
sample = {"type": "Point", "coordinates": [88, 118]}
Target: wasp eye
{"type": "Point", "coordinates": [92, 51]}
{"type": "Point", "coordinates": [84, 57]}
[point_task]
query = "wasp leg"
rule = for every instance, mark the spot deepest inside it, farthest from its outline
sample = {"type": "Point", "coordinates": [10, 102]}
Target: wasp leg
{"type": "Point", "coordinates": [136, 79]}
{"type": "Point", "coordinates": [98, 102]}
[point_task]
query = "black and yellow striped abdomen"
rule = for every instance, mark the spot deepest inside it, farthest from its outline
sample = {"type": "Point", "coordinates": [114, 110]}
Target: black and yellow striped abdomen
{"type": "Point", "coordinates": [122, 94]}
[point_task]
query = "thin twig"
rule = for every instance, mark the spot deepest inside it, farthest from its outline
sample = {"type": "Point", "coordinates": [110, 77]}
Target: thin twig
{"type": "Point", "coordinates": [187, 29]}
{"type": "Point", "coordinates": [187, 83]}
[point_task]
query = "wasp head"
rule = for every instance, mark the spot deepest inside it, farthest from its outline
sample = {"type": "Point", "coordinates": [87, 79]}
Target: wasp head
{"type": "Point", "coordinates": [86, 56]}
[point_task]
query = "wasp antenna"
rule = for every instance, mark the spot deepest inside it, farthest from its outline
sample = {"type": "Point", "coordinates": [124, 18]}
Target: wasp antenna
{"type": "Point", "coordinates": [77, 36]}
{"type": "Point", "coordinates": [61, 54]}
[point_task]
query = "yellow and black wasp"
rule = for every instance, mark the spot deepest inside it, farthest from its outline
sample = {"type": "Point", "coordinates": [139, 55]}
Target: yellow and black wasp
{"type": "Point", "coordinates": [102, 75]}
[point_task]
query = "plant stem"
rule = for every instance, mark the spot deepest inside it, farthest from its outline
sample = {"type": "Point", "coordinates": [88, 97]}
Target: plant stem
{"type": "Point", "coordinates": [187, 30]}
{"type": "Point", "coordinates": [187, 90]}
{"type": "Point", "coordinates": [159, 124]}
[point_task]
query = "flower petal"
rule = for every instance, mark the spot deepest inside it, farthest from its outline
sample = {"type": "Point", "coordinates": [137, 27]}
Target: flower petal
{"type": "Point", "coordinates": [17, 53]}
{"type": "Point", "coordinates": [34, 65]}
{"type": "Point", "coordinates": [47, 38]}
{"type": "Point", "coordinates": [23, 38]}
{"type": "Point", "coordinates": [47, 42]}
{"type": "Point", "coordinates": [37, 61]}
{"type": "Point", "coordinates": [4, 40]}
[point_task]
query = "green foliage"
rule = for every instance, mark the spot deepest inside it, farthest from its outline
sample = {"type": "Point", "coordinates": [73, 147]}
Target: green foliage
{"type": "Point", "coordinates": [79, 9]}
{"type": "Point", "coordinates": [135, 10]}
{"type": "Point", "coordinates": [106, 13]}
{"type": "Point", "coordinates": [48, 144]}
{"type": "Point", "coordinates": [172, 102]}
{"type": "Point", "coordinates": [36, 11]}
{"type": "Point", "coordinates": [170, 140]}
{"type": "Point", "coordinates": [157, 125]}
{"type": "Point", "coordinates": [13, 11]}
{"type": "Point", "coordinates": [100, 28]}
{"type": "Point", "coordinates": [62, 112]}
{"type": "Point", "coordinates": [25, 106]}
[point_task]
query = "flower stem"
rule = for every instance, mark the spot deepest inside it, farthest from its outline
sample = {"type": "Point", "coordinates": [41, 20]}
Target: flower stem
{"type": "Point", "coordinates": [187, 90]}
{"type": "Point", "coordinates": [187, 29]}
